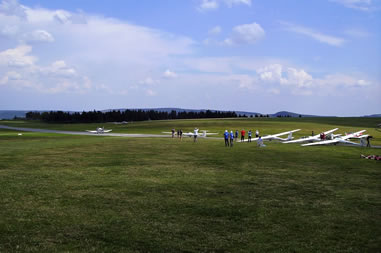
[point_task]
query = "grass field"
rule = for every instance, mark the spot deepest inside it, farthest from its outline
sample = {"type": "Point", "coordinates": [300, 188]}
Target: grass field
{"type": "Point", "coordinates": [93, 193]}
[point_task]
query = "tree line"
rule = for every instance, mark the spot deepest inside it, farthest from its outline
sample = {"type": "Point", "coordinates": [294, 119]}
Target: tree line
{"type": "Point", "coordinates": [119, 116]}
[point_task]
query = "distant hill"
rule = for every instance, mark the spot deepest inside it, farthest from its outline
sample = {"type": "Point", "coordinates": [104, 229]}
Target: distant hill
{"type": "Point", "coordinates": [293, 114]}
{"type": "Point", "coordinates": [373, 116]}
{"type": "Point", "coordinates": [10, 114]}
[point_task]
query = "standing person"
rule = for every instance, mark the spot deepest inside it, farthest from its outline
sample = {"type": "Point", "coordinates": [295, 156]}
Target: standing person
{"type": "Point", "coordinates": [260, 142]}
{"type": "Point", "coordinates": [226, 137]}
{"type": "Point", "coordinates": [231, 138]}
{"type": "Point", "coordinates": [178, 133]}
{"type": "Point", "coordinates": [256, 134]}
{"type": "Point", "coordinates": [249, 136]}
{"type": "Point", "coordinates": [312, 132]}
{"type": "Point", "coordinates": [195, 134]}
{"type": "Point", "coordinates": [173, 132]}
{"type": "Point", "coordinates": [181, 134]}
{"type": "Point", "coordinates": [236, 134]}
{"type": "Point", "coordinates": [243, 132]}
{"type": "Point", "coordinates": [368, 141]}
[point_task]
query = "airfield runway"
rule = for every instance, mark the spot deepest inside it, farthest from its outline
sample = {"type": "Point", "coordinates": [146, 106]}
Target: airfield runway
{"type": "Point", "coordinates": [24, 129]}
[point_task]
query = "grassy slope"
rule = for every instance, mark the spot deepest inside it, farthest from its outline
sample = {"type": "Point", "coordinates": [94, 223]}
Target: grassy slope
{"type": "Point", "coordinates": [82, 193]}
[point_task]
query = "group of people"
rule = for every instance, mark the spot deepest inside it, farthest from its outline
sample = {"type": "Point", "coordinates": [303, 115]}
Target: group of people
{"type": "Point", "coordinates": [179, 133]}
{"type": "Point", "coordinates": [230, 137]}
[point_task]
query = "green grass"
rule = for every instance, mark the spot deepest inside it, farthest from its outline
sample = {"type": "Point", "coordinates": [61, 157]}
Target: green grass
{"type": "Point", "coordinates": [87, 193]}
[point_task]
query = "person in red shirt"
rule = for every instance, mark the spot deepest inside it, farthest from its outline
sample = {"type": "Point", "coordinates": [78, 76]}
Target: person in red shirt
{"type": "Point", "coordinates": [243, 135]}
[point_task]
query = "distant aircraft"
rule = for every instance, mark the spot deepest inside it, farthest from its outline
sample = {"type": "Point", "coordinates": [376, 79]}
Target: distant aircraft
{"type": "Point", "coordinates": [315, 137]}
{"type": "Point", "coordinates": [343, 140]}
{"type": "Point", "coordinates": [272, 137]}
{"type": "Point", "coordinates": [100, 130]}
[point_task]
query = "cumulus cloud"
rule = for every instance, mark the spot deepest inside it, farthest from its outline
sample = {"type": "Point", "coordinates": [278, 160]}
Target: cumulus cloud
{"type": "Point", "coordinates": [206, 5]}
{"type": "Point", "coordinates": [17, 57]}
{"type": "Point", "coordinates": [272, 73]}
{"type": "Point", "coordinates": [59, 68]}
{"type": "Point", "coordinates": [318, 36]}
{"type": "Point", "coordinates": [21, 70]}
{"type": "Point", "coordinates": [303, 83]}
{"type": "Point", "coordinates": [84, 49]}
{"type": "Point", "coordinates": [245, 34]}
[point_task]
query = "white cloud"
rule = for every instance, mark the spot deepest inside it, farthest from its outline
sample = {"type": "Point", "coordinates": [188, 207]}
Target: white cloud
{"type": "Point", "coordinates": [38, 35]}
{"type": "Point", "coordinates": [12, 8]}
{"type": "Point", "coordinates": [59, 68]}
{"type": "Point", "coordinates": [17, 57]}
{"type": "Point", "coordinates": [84, 49]}
{"type": "Point", "coordinates": [299, 78]}
{"type": "Point", "coordinates": [303, 83]}
{"type": "Point", "coordinates": [10, 76]}
{"type": "Point", "coordinates": [215, 30]}
{"type": "Point", "coordinates": [9, 30]}
{"type": "Point", "coordinates": [327, 39]}
{"type": "Point", "coordinates": [341, 80]}
{"type": "Point", "coordinates": [245, 34]}
{"type": "Point", "coordinates": [206, 5]}
{"type": "Point", "coordinates": [362, 5]}
{"type": "Point", "coordinates": [271, 73]}
{"type": "Point", "coordinates": [23, 72]}
{"type": "Point", "coordinates": [169, 74]}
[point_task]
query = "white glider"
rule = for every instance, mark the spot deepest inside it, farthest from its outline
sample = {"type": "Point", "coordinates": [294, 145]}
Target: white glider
{"type": "Point", "coordinates": [100, 130]}
{"type": "Point", "coordinates": [204, 133]}
{"type": "Point", "coordinates": [276, 136]}
{"type": "Point", "coordinates": [342, 140]}
{"type": "Point", "coordinates": [313, 138]}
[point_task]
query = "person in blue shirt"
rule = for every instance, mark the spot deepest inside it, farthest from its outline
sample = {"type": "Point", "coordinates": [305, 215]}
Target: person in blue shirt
{"type": "Point", "coordinates": [236, 134]}
{"type": "Point", "coordinates": [249, 136]}
{"type": "Point", "coordinates": [226, 137]}
{"type": "Point", "coordinates": [231, 138]}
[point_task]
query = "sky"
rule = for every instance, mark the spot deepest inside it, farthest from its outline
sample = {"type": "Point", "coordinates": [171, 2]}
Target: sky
{"type": "Point", "coordinates": [319, 57]}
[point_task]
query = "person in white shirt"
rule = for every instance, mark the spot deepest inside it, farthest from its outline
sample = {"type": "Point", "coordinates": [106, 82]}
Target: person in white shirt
{"type": "Point", "coordinates": [195, 134]}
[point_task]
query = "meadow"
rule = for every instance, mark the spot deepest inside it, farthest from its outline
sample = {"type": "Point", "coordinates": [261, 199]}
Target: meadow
{"type": "Point", "coordinates": [111, 194]}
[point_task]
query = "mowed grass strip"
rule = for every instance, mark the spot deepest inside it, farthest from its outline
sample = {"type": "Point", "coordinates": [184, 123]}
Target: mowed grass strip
{"type": "Point", "coordinates": [85, 193]}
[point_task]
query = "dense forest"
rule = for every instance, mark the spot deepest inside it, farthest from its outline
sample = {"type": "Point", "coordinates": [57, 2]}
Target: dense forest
{"type": "Point", "coordinates": [126, 115]}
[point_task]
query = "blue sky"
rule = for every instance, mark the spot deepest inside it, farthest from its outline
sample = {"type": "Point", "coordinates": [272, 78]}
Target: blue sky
{"type": "Point", "coordinates": [315, 57]}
